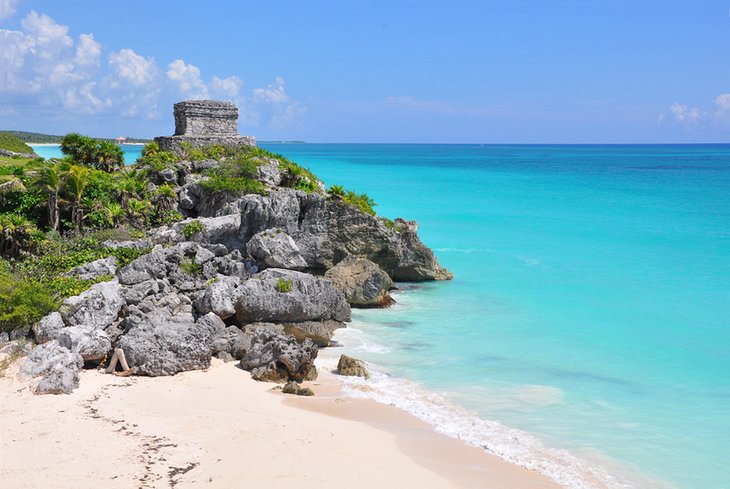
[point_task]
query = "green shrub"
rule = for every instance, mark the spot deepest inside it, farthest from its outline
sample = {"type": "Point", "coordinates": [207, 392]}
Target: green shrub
{"type": "Point", "coordinates": [337, 191]}
{"type": "Point", "coordinates": [189, 267]}
{"type": "Point", "coordinates": [284, 285]}
{"type": "Point", "coordinates": [361, 201]}
{"type": "Point", "coordinates": [191, 228]}
{"type": "Point", "coordinates": [23, 302]}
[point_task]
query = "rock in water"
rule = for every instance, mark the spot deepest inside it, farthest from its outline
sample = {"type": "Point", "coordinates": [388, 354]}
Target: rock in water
{"type": "Point", "coordinates": [362, 281]}
{"type": "Point", "coordinates": [275, 357]}
{"type": "Point", "coordinates": [352, 367]}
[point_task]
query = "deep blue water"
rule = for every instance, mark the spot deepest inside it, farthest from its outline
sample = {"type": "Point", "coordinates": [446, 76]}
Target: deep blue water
{"type": "Point", "coordinates": [590, 307]}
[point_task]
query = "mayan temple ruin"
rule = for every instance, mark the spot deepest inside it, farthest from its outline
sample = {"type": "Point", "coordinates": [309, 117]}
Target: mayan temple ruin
{"type": "Point", "coordinates": [201, 123]}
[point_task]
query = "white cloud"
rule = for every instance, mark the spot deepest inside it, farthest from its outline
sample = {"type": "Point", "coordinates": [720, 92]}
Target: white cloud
{"type": "Point", "coordinates": [132, 68]}
{"type": "Point", "coordinates": [187, 78]}
{"type": "Point", "coordinates": [8, 8]}
{"type": "Point", "coordinates": [274, 93]}
{"type": "Point", "coordinates": [723, 101]}
{"type": "Point", "coordinates": [228, 88]}
{"type": "Point", "coordinates": [682, 113]}
{"type": "Point", "coordinates": [44, 69]}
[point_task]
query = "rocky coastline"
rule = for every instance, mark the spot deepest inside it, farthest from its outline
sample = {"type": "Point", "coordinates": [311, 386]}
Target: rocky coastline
{"type": "Point", "coordinates": [262, 278]}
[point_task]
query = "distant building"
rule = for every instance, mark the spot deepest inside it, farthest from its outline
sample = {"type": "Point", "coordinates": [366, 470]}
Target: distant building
{"type": "Point", "coordinates": [121, 140]}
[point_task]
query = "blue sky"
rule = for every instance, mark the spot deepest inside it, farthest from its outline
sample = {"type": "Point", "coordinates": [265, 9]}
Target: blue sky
{"type": "Point", "coordinates": [338, 71]}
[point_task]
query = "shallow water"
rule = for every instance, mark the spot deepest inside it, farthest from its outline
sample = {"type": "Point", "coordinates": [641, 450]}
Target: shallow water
{"type": "Point", "coordinates": [590, 305]}
{"type": "Point", "coordinates": [590, 310]}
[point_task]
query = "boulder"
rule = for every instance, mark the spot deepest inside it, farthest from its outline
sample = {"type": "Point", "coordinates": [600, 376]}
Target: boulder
{"type": "Point", "coordinates": [95, 269]}
{"type": "Point", "coordinates": [90, 343]}
{"type": "Point", "coordinates": [320, 332]}
{"type": "Point", "coordinates": [151, 266]}
{"type": "Point", "coordinates": [219, 297]}
{"type": "Point", "coordinates": [47, 329]}
{"type": "Point", "coordinates": [296, 389]}
{"type": "Point", "coordinates": [362, 281]}
{"type": "Point", "coordinates": [231, 343]}
{"type": "Point", "coordinates": [164, 344]}
{"type": "Point", "coordinates": [96, 308]}
{"type": "Point", "coordinates": [58, 366]}
{"type": "Point", "coordinates": [352, 367]}
{"type": "Point", "coordinates": [274, 248]}
{"type": "Point", "coordinates": [285, 296]}
{"type": "Point", "coordinates": [274, 357]}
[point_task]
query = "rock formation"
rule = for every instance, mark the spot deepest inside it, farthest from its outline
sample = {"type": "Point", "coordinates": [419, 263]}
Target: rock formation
{"type": "Point", "coordinates": [199, 123]}
{"type": "Point", "coordinates": [264, 279]}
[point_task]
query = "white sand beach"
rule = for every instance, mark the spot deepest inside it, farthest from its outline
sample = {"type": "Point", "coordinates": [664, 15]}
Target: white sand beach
{"type": "Point", "coordinates": [220, 428]}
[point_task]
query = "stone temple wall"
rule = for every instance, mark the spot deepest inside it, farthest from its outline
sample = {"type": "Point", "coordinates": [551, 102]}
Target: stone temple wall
{"type": "Point", "coordinates": [201, 123]}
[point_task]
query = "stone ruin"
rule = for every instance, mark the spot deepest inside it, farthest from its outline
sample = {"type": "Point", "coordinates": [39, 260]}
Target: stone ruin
{"type": "Point", "coordinates": [201, 123]}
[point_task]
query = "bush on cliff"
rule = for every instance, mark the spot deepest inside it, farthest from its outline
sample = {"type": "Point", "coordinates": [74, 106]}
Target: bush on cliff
{"type": "Point", "coordinates": [102, 155]}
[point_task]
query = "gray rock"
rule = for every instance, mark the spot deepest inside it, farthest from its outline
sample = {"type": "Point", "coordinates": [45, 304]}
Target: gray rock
{"type": "Point", "coordinates": [362, 282]}
{"type": "Point", "coordinates": [90, 343]}
{"type": "Point", "coordinates": [269, 173]}
{"type": "Point", "coordinates": [220, 297]}
{"type": "Point", "coordinates": [274, 248]}
{"type": "Point", "coordinates": [296, 389]}
{"type": "Point", "coordinates": [320, 332]}
{"type": "Point", "coordinates": [146, 267]}
{"type": "Point", "coordinates": [164, 344]}
{"type": "Point", "coordinates": [310, 299]}
{"type": "Point", "coordinates": [168, 175]}
{"type": "Point", "coordinates": [97, 307]}
{"type": "Point", "coordinates": [203, 256]}
{"type": "Point", "coordinates": [279, 358]}
{"type": "Point", "coordinates": [58, 366]}
{"type": "Point", "coordinates": [231, 342]}
{"type": "Point", "coordinates": [47, 329]}
{"type": "Point", "coordinates": [136, 293]}
{"type": "Point", "coordinates": [95, 269]}
{"type": "Point", "coordinates": [58, 380]}
{"type": "Point", "coordinates": [352, 367]}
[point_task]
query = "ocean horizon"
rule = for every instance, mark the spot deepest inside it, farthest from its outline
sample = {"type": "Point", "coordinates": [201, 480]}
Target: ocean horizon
{"type": "Point", "coordinates": [586, 333]}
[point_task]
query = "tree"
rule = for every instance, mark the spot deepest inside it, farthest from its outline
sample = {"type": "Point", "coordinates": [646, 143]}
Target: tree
{"type": "Point", "coordinates": [76, 180]}
{"type": "Point", "coordinates": [165, 199]}
{"type": "Point", "coordinates": [137, 210]}
{"type": "Point", "coordinates": [109, 156]}
{"type": "Point", "coordinates": [102, 155]}
{"type": "Point", "coordinates": [14, 229]}
{"type": "Point", "coordinates": [50, 182]}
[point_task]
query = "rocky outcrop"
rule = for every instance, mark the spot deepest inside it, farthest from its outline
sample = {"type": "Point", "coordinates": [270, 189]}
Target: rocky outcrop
{"type": "Point", "coordinates": [276, 249]}
{"type": "Point", "coordinates": [285, 296]}
{"type": "Point", "coordinates": [90, 343]}
{"type": "Point", "coordinates": [99, 268]}
{"type": "Point", "coordinates": [165, 344]}
{"type": "Point", "coordinates": [352, 367]}
{"type": "Point", "coordinates": [48, 328]}
{"type": "Point", "coordinates": [362, 281]}
{"type": "Point", "coordinates": [320, 332]}
{"type": "Point", "coordinates": [95, 308]}
{"type": "Point", "coordinates": [274, 357]}
{"type": "Point", "coordinates": [57, 366]}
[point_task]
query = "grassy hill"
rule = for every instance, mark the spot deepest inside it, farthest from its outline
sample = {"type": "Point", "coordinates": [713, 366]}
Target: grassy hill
{"type": "Point", "coordinates": [13, 143]}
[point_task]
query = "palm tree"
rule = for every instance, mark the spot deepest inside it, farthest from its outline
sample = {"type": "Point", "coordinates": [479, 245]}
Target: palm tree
{"type": "Point", "coordinates": [131, 185]}
{"type": "Point", "coordinates": [14, 228]}
{"type": "Point", "coordinates": [109, 156]}
{"type": "Point", "coordinates": [137, 210]}
{"type": "Point", "coordinates": [77, 178]}
{"type": "Point", "coordinates": [165, 198]}
{"type": "Point", "coordinates": [50, 182]}
{"type": "Point", "coordinates": [114, 212]}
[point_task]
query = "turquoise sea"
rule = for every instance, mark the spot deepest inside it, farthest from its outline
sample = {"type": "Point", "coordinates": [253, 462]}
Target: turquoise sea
{"type": "Point", "coordinates": [586, 333]}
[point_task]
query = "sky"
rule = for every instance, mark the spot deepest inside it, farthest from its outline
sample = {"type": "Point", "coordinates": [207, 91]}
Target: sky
{"type": "Point", "coordinates": [374, 71]}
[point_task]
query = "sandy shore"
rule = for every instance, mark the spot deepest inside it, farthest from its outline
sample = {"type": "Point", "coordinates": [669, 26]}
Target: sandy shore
{"type": "Point", "coordinates": [221, 429]}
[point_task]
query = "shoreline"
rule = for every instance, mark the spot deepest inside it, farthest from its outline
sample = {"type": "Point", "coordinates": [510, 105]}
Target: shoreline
{"type": "Point", "coordinates": [220, 427]}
